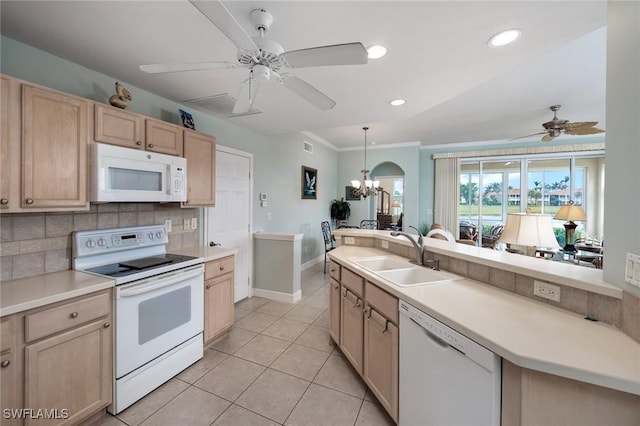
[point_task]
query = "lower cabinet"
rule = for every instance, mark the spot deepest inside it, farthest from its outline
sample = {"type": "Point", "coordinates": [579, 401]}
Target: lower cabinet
{"type": "Point", "coordinates": [59, 368]}
{"type": "Point", "coordinates": [218, 297]}
{"type": "Point", "coordinates": [364, 323]}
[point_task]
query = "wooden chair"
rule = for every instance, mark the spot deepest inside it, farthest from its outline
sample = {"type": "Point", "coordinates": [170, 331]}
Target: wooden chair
{"type": "Point", "coordinates": [369, 224]}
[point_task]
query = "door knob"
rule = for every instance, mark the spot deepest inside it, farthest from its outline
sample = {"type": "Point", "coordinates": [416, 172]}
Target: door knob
{"type": "Point", "coordinates": [212, 244]}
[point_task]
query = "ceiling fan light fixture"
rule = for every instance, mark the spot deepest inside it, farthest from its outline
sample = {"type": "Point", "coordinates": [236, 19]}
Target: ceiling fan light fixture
{"type": "Point", "coordinates": [505, 37]}
{"type": "Point", "coordinates": [397, 102]}
{"type": "Point", "coordinates": [376, 51]}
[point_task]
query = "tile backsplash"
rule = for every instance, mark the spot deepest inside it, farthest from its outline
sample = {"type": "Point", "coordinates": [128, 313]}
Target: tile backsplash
{"type": "Point", "coordinates": [37, 243]}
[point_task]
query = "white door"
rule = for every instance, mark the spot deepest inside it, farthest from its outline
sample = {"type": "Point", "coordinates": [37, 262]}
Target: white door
{"type": "Point", "coordinates": [229, 222]}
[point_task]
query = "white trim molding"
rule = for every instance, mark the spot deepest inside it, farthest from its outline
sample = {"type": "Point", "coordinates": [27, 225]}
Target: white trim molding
{"type": "Point", "coordinates": [521, 151]}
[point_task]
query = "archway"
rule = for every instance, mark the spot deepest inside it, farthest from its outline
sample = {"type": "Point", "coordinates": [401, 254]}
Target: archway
{"type": "Point", "coordinates": [388, 208]}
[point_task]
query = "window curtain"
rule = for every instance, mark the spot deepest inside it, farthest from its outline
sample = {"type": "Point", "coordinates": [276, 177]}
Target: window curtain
{"type": "Point", "coordinates": [447, 194]}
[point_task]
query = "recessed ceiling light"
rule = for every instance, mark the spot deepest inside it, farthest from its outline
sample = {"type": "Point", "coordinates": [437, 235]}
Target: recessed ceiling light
{"type": "Point", "coordinates": [397, 102]}
{"type": "Point", "coordinates": [505, 37]}
{"type": "Point", "coordinates": [376, 52]}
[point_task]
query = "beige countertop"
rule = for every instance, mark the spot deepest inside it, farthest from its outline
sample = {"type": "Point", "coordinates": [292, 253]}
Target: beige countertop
{"type": "Point", "coordinates": [206, 252]}
{"type": "Point", "coordinates": [525, 332]}
{"type": "Point", "coordinates": [32, 292]}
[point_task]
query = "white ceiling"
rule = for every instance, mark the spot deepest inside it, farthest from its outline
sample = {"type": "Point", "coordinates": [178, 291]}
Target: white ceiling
{"type": "Point", "coordinates": [457, 88]}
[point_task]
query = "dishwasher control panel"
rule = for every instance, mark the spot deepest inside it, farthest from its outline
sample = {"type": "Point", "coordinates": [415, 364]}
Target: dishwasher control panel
{"type": "Point", "coordinates": [445, 335]}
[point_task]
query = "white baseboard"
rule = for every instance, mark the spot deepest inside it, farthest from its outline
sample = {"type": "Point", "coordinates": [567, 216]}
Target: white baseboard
{"type": "Point", "coordinates": [278, 296]}
{"type": "Point", "coordinates": [310, 263]}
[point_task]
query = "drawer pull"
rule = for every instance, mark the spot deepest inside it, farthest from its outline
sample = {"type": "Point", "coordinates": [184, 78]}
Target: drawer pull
{"type": "Point", "coordinates": [74, 315]}
{"type": "Point", "coordinates": [221, 268]}
{"type": "Point", "coordinates": [106, 325]}
{"type": "Point", "coordinates": [5, 363]}
{"type": "Point", "coordinates": [138, 143]}
{"type": "Point", "coordinates": [150, 145]}
{"type": "Point", "coordinates": [208, 286]}
{"type": "Point", "coordinates": [4, 201]}
{"type": "Point", "coordinates": [29, 201]}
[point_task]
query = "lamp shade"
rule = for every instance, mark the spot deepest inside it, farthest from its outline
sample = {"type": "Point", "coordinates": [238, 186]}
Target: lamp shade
{"type": "Point", "coordinates": [531, 230]}
{"type": "Point", "coordinates": [571, 212]}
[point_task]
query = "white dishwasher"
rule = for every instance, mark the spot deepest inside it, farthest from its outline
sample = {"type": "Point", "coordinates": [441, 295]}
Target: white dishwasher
{"type": "Point", "coordinates": [446, 379]}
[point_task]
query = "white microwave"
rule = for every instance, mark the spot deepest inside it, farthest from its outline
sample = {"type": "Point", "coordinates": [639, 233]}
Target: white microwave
{"type": "Point", "coordinates": [129, 175]}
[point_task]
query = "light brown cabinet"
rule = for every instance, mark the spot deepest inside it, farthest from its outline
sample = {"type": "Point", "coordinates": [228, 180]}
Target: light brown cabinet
{"type": "Point", "coordinates": [367, 333]}
{"type": "Point", "coordinates": [66, 354]}
{"type": "Point", "coordinates": [44, 141]}
{"type": "Point", "coordinates": [163, 137]}
{"type": "Point", "coordinates": [118, 127]}
{"type": "Point", "coordinates": [218, 297]}
{"type": "Point", "coordinates": [200, 152]}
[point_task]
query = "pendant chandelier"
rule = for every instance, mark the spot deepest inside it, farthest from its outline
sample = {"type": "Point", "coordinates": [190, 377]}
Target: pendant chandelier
{"type": "Point", "coordinates": [366, 187]}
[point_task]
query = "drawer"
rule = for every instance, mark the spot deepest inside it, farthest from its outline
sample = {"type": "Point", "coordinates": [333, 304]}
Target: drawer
{"type": "Point", "coordinates": [353, 282]}
{"type": "Point", "coordinates": [334, 270]}
{"type": "Point", "coordinates": [218, 267]}
{"type": "Point", "coordinates": [383, 302]}
{"type": "Point", "coordinates": [7, 333]}
{"type": "Point", "coordinates": [66, 316]}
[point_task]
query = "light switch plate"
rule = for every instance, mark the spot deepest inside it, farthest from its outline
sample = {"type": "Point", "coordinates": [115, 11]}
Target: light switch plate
{"type": "Point", "coordinates": [186, 224]}
{"type": "Point", "coordinates": [632, 269]}
{"type": "Point", "coordinates": [167, 224]}
{"type": "Point", "coordinates": [194, 223]}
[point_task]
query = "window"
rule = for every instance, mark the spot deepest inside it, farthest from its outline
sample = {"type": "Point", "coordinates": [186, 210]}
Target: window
{"type": "Point", "coordinates": [494, 186]}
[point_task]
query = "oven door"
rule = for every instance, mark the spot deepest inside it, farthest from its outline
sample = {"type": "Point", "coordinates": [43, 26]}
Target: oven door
{"type": "Point", "coordinates": [157, 314]}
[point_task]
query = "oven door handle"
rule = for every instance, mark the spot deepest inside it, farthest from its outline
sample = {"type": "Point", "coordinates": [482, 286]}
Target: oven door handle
{"type": "Point", "coordinates": [150, 285]}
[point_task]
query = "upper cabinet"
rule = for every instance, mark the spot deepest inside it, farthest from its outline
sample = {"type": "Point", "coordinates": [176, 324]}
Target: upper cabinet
{"type": "Point", "coordinates": [163, 137]}
{"type": "Point", "coordinates": [44, 141]}
{"type": "Point", "coordinates": [200, 152]}
{"type": "Point", "coordinates": [118, 127]}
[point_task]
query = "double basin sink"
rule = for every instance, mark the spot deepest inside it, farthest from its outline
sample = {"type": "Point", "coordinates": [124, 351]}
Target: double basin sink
{"type": "Point", "coordinates": [401, 272]}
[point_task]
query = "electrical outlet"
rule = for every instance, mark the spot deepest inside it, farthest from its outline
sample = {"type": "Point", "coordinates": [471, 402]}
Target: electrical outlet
{"type": "Point", "coordinates": [167, 224]}
{"type": "Point", "coordinates": [349, 240]}
{"type": "Point", "coordinates": [546, 290]}
{"type": "Point", "coordinates": [385, 244]}
{"type": "Point", "coordinates": [186, 224]}
{"type": "Point", "coordinates": [194, 223]}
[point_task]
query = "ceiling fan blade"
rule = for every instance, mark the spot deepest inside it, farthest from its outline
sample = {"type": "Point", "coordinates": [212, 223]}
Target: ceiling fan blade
{"type": "Point", "coordinates": [218, 14]}
{"type": "Point", "coordinates": [188, 66]}
{"type": "Point", "coordinates": [580, 124]}
{"type": "Point", "coordinates": [533, 134]}
{"type": "Point", "coordinates": [246, 96]}
{"type": "Point", "coordinates": [337, 54]}
{"type": "Point", "coordinates": [307, 92]}
{"type": "Point", "coordinates": [547, 138]}
{"type": "Point", "coordinates": [586, 130]}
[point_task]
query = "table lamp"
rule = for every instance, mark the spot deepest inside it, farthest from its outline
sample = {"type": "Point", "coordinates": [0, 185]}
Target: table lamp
{"type": "Point", "coordinates": [529, 230]}
{"type": "Point", "coordinates": [570, 212]}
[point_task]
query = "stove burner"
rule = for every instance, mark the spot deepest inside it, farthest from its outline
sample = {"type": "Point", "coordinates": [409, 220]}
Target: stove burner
{"type": "Point", "coordinates": [137, 266]}
{"type": "Point", "coordinates": [147, 262]}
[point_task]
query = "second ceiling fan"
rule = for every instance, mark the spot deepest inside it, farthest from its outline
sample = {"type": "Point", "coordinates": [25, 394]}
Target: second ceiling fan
{"type": "Point", "coordinates": [556, 127]}
{"type": "Point", "coordinates": [265, 58]}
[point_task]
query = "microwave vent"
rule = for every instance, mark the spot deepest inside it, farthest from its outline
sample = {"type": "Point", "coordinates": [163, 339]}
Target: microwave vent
{"type": "Point", "coordinates": [221, 105]}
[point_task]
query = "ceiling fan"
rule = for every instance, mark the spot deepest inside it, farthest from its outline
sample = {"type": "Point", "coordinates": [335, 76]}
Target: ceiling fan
{"type": "Point", "coordinates": [556, 127]}
{"type": "Point", "coordinates": [265, 58]}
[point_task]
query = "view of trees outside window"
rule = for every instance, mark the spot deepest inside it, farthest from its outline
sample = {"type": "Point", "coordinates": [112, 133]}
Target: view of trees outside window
{"type": "Point", "coordinates": [491, 189]}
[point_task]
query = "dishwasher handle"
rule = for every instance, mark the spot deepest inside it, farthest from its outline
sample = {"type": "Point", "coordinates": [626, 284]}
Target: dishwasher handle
{"type": "Point", "coordinates": [435, 338]}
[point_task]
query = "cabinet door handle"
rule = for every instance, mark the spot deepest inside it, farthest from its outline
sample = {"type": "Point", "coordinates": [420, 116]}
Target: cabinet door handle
{"type": "Point", "coordinates": [138, 143]}
{"type": "Point", "coordinates": [375, 320]}
{"type": "Point", "coordinates": [208, 286]}
{"type": "Point", "coordinates": [5, 363]}
{"type": "Point", "coordinates": [221, 268]}
{"type": "Point", "coordinates": [74, 315]}
{"type": "Point", "coordinates": [4, 201]}
{"type": "Point", "coordinates": [150, 145]}
{"type": "Point", "coordinates": [29, 201]}
{"type": "Point", "coordinates": [106, 325]}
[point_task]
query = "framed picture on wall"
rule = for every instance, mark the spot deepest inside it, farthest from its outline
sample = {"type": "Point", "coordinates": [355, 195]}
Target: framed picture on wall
{"type": "Point", "coordinates": [349, 193]}
{"type": "Point", "coordinates": [309, 183]}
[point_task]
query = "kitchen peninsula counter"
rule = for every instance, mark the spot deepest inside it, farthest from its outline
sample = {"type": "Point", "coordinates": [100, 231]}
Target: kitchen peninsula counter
{"type": "Point", "coordinates": [523, 331]}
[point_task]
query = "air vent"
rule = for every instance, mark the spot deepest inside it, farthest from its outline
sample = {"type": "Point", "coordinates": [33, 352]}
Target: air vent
{"type": "Point", "coordinates": [307, 146]}
{"type": "Point", "coordinates": [220, 104]}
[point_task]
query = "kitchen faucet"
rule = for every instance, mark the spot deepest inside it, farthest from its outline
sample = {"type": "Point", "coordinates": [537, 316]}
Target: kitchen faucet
{"type": "Point", "coordinates": [418, 246]}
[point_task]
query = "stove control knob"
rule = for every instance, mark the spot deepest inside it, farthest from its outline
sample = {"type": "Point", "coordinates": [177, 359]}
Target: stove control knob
{"type": "Point", "coordinates": [159, 234]}
{"type": "Point", "coordinates": [102, 242]}
{"type": "Point", "coordinates": [91, 243]}
{"type": "Point", "coordinates": [151, 237]}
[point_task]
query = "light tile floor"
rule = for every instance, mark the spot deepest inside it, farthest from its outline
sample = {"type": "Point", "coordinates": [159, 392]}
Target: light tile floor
{"type": "Point", "coordinates": [276, 366]}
